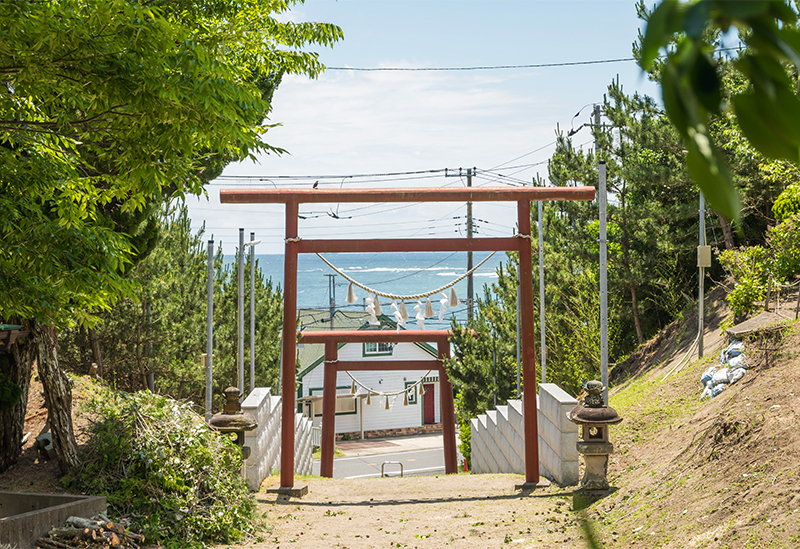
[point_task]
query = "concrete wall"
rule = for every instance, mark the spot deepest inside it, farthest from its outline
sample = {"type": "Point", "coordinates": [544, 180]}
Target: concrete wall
{"type": "Point", "coordinates": [558, 436]}
{"type": "Point", "coordinates": [265, 440]}
{"type": "Point", "coordinates": [27, 516]}
{"type": "Point", "coordinates": [498, 443]}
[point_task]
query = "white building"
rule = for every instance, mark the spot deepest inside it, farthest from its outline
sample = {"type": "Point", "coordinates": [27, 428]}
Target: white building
{"type": "Point", "coordinates": [354, 416]}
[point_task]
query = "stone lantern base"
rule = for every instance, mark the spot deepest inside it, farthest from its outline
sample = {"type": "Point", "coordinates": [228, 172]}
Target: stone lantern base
{"type": "Point", "coordinates": [595, 454]}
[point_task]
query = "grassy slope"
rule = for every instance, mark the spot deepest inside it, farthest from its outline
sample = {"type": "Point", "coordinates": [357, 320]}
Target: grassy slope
{"type": "Point", "coordinates": [716, 474]}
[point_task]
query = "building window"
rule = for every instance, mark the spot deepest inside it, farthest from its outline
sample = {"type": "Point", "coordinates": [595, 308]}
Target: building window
{"type": "Point", "coordinates": [344, 406]}
{"type": "Point", "coordinates": [377, 349]}
{"type": "Point", "coordinates": [412, 393]}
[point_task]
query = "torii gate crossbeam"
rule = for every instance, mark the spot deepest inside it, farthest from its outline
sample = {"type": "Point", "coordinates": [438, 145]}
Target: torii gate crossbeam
{"type": "Point", "coordinates": [294, 245]}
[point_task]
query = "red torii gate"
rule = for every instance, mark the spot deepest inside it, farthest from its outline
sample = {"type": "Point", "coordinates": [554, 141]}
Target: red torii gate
{"type": "Point", "coordinates": [292, 198]}
{"type": "Point", "coordinates": [333, 365]}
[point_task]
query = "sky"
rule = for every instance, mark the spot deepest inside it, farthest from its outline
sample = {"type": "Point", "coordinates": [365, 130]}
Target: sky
{"type": "Point", "coordinates": [346, 128]}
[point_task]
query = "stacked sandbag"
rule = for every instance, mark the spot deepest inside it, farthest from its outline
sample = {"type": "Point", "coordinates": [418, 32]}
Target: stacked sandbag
{"type": "Point", "coordinates": [731, 368]}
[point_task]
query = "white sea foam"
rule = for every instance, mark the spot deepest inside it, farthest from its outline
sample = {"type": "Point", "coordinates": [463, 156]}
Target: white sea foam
{"type": "Point", "coordinates": [421, 270]}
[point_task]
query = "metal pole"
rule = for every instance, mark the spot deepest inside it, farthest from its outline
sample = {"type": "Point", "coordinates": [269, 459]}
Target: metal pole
{"type": "Point", "coordinates": [494, 366]}
{"type": "Point", "coordinates": [331, 296]}
{"type": "Point", "coordinates": [240, 331]}
{"type": "Point", "coordinates": [209, 327]}
{"type": "Point", "coordinates": [602, 202]}
{"type": "Point", "coordinates": [252, 312]}
{"type": "Point", "coordinates": [702, 276]}
{"type": "Point", "coordinates": [519, 337]}
{"type": "Point", "coordinates": [470, 291]}
{"type": "Point", "coordinates": [543, 349]}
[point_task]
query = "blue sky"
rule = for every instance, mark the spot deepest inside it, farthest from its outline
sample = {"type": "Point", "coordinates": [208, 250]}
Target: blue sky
{"type": "Point", "coordinates": [502, 122]}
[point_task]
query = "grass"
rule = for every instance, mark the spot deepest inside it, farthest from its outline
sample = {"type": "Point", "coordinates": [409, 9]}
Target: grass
{"type": "Point", "coordinates": [317, 454]}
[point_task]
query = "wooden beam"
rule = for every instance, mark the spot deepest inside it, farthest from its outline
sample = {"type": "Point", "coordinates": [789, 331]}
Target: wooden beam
{"type": "Point", "coordinates": [502, 244]}
{"type": "Point", "coordinates": [387, 365]}
{"type": "Point", "coordinates": [412, 194]}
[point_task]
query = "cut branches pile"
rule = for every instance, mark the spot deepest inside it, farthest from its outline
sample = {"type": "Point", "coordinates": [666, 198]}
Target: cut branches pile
{"type": "Point", "coordinates": [156, 460]}
{"type": "Point", "coordinates": [98, 532]}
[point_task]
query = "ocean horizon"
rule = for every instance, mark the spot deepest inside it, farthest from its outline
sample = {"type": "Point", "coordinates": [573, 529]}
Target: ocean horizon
{"type": "Point", "coordinates": [396, 273]}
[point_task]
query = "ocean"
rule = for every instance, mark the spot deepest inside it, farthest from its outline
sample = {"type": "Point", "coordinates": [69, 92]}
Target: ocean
{"type": "Point", "coordinates": [396, 273]}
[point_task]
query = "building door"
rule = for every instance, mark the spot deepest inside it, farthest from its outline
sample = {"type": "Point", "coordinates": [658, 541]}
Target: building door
{"type": "Point", "coordinates": [429, 404]}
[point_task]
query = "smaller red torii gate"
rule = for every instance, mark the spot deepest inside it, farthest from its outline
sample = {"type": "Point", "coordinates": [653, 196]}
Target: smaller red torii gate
{"type": "Point", "coordinates": [333, 366]}
{"type": "Point", "coordinates": [295, 245]}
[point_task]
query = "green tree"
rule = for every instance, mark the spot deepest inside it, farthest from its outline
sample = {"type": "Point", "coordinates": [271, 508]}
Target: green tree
{"type": "Point", "coordinates": [756, 268]}
{"type": "Point", "coordinates": [121, 104]}
{"type": "Point", "coordinates": [767, 108]}
{"type": "Point", "coordinates": [170, 339]}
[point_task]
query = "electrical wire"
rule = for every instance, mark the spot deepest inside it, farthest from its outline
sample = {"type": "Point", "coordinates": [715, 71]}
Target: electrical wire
{"type": "Point", "coordinates": [502, 67]}
{"type": "Point", "coordinates": [480, 68]}
{"type": "Point", "coordinates": [337, 177]}
{"type": "Point", "coordinates": [524, 155]}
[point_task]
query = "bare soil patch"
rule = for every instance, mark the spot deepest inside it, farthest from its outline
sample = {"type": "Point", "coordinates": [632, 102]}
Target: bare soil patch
{"type": "Point", "coordinates": [454, 510]}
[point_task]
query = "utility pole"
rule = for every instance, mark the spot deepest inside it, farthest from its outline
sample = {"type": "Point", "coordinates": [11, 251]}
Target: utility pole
{"type": "Point", "coordinates": [470, 309]}
{"type": "Point", "coordinates": [602, 202]}
{"type": "Point", "coordinates": [603, 283]}
{"type": "Point", "coordinates": [252, 245]}
{"type": "Point", "coordinates": [703, 261]}
{"type": "Point", "coordinates": [596, 113]}
{"type": "Point", "coordinates": [332, 296]}
{"type": "Point", "coordinates": [240, 332]}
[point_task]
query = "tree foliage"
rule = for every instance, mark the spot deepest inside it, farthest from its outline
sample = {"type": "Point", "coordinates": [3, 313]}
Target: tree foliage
{"type": "Point", "coordinates": [109, 108]}
{"type": "Point", "coordinates": [754, 269]}
{"type": "Point", "coordinates": [168, 341]}
{"type": "Point", "coordinates": [767, 109]}
{"type": "Point", "coordinates": [119, 103]}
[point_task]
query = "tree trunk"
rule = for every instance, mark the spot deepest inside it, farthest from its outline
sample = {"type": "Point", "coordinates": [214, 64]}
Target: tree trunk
{"type": "Point", "coordinates": [727, 233]}
{"type": "Point", "coordinates": [98, 357]}
{"type": "Point", "coordinates": [16, 365]}
{"type": "Point", "coordinates": [86, 365]}
{"type": "Point", "coordinates": [58, 396]}
{"type": "Point", "coordinates": [636, 321]}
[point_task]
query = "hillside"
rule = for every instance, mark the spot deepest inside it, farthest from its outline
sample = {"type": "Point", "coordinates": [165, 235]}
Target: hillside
{"type": "Point", "coordinates": [717, 474]}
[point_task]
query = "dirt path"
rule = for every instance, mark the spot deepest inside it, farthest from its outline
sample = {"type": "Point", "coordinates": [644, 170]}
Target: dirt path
{"type": "Point", "coordinates": [455, 510]}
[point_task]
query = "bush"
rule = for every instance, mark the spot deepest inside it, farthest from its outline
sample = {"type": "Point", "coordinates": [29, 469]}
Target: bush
{"type": "Point", "coordinates": [158, 462]}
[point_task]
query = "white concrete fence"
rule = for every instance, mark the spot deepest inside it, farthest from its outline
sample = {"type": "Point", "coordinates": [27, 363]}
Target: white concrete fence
{"type": "Point", "coordinates": [265, 440]}
{"type": "Point", "coordinates": [497, 438]}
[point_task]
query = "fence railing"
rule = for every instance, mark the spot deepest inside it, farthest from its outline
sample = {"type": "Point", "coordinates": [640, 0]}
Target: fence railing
{"type": "Point", "coordinates": [265, 440]}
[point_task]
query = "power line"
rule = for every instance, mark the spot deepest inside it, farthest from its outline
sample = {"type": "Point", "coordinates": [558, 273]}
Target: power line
{"type": "Point", "coordinates": [480, 68]}
{"type": "Point", "coordinates": [338, 177]}
{"type": "Point", "coordinates": [502, 67]}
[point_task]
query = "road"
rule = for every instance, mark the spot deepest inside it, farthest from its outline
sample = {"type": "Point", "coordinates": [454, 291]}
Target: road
{"type": "Point", "coordinates": [415, 463]}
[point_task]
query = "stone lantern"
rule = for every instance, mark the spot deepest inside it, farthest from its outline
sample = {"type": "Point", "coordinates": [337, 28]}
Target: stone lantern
{"type": "Point", "coordinates": [594, 418]}
{"type": "Point", "coordinates": [232, 420]}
